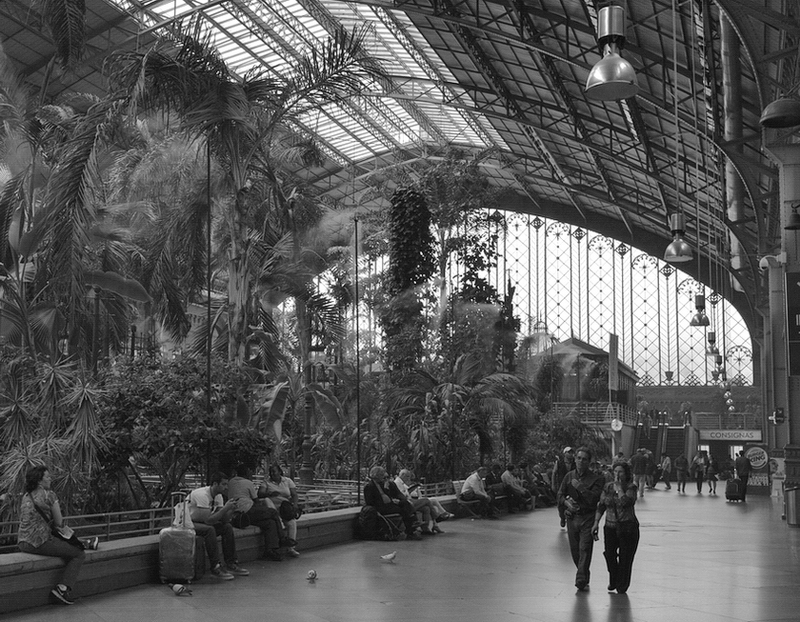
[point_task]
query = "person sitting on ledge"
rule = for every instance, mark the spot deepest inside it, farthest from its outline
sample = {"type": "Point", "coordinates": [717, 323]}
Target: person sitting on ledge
{"type": "Point", "coordinates": [431, 510]}
{"type": "Point", "coordinates": [474, 490]}
{"type": "Point", "coordinates": [382, 494]}
{"type": "Point", "coordinates": [252, 510]}
{"type": "Point", "coordinates": [519, 496]}
{"type": "Point", "coordinates": [281, 491]}
{"type": "Point", "coordinates": [40, 512]}
{"type": "Point", "coordinates": [211, 517]}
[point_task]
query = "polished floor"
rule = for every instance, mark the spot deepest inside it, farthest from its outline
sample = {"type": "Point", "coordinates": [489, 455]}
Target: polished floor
{"type": "Point", "coordinates": [700, 559]}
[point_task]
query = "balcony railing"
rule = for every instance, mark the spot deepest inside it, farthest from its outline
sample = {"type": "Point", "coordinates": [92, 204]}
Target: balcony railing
{"type": "Point", "coordinates": [597, 413]}
{"type": "Point", "coordinates": [727, 421]}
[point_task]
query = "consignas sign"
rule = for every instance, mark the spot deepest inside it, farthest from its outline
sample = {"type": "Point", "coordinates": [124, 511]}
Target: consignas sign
{"type": "Point", "coordinates": [730, 435]}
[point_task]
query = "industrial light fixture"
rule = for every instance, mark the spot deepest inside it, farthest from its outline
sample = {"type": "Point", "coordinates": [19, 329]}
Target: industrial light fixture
{"type": "Point", "coordinates": [793, 222]}
{"type": "Point", "coordinates": [712, 344]}
{"type": "Point", "coordinates": [700, 318]}
{"type": "Point", "coordinates": [783, 112]}
{"type": "Point", "coordinates": [612, 78]}
{"type": "Point", "coordinates": [678, 250]}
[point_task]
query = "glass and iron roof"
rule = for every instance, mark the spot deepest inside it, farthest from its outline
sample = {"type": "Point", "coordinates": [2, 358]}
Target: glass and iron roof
{"type": "Point", "coordinates": [504, 82]}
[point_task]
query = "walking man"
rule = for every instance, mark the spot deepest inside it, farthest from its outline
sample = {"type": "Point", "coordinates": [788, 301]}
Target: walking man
{"type": "Point", "coordinates": [666, 470]}
{"type": "Point", "coordinates": [578, 495]}
{"type": "Point", "coordinates": [639, 469]}
{"type": "Point", "coordinates": [743, 467]}
{"type": "Point", "coordinates": [682, 471]}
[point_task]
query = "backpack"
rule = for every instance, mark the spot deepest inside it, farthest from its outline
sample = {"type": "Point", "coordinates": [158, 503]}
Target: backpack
{"type": "Point", "coordinates": [371, 525]}
{"type": "Point", "coordinates": [367, 523]}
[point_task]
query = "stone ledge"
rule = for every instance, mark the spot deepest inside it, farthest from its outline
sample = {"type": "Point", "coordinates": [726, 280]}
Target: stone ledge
{"type": "Point", "coordinates": [26, 579]}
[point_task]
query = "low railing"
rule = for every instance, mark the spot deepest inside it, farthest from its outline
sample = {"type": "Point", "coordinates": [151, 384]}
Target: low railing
{"type": "Point", "coordinates": [107, 526]}
{"type": "Point", "coordinates": [322, 496]}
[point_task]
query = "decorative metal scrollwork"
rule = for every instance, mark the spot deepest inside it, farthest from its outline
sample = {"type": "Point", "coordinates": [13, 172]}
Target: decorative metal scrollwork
{"type": "Point", "coordinates": [600, 243]}
{"type": "Point", "coordinates": [645, 263]}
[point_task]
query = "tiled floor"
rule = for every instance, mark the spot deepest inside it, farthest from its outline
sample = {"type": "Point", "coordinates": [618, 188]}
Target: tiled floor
{"type": "Point", "coordinates": [700, 559]}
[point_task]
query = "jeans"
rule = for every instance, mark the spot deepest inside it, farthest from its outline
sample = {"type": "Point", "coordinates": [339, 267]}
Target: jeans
{"type": "Point", "coordinates": [640, 479]}
{"type": "Point", "coordinates": [54, 547]}
{"type": "Point", "coordinates": [744, 479]}
{"type": "Point", "coordinates": [699, 476]}
{"type": "Point", "coordinates": [621, 542]}
{"type": "Point", "coordinates": [581, 545]}
{"type": "Point", "coordinates": [268, 520]}
{"type": "Point", "coordinates": [209, 534]}
{"type": "Point", "coordinates": [682, 477]}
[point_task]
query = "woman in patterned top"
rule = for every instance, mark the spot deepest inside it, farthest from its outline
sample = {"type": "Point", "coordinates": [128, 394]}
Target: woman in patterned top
{"type": "Point", "coordinates": [621, 530]}
{"type": "Point", "coordinates": [40, 512]}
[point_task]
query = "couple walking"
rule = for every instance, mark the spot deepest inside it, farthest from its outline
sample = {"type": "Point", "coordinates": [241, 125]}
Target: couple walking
{"type": "Point", "coordinates": [586, 497]}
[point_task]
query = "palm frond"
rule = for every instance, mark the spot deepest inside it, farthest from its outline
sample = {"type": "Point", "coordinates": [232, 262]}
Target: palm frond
{"type": "Point", "coordinates": [66, 20]}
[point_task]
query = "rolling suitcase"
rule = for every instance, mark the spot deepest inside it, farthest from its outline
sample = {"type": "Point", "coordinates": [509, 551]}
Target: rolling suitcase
{"type": "Point", "coordinates": [181, 556]}
{"type": "Point", "coordinates": [733, 489]}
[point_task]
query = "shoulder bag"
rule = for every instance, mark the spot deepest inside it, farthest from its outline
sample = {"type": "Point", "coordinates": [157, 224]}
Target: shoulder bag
{"type": "Point", "coordinates": [65, 533]}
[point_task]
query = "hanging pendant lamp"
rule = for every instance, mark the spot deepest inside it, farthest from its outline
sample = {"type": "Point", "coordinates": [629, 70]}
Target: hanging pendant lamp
{"type": "Point", "coordinates": [678, 250]}
{"type": "Point", "coordinates": [612, 78]}
{"type": "Point", "coordinates": [700, 318]}
{"type": "Point", "coordinates": [783, 112]}
{"type": "Point", "coordinates": [793, 222]}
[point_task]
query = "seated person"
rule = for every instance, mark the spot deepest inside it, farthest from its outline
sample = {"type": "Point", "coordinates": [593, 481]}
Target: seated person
{"type": "Point", "coordinates": [474, 490]}
{"type": "Point", "coordinates": [537, 483]}
{"type": "Point", "coordinates": [518, 496]}
{"type": "Point", "coordinates": [382, 494]}
{"type": "Point", "coordinates": [438, 512]}
{"type": "Point", "coordinates": [211, 517]}
{"type": "Point", "coordinates": [422, 505]}
{"type": "Point", "coordinates": [251, 510]}
{"type": "Point", "coordinates": [494, 484]}
{"type": "Point", "coordinates": [281, 491]}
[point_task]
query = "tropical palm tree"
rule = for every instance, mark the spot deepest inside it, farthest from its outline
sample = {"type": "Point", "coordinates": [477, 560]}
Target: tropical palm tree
{"type": "Point", "coordinates": [243, 121]}
{"type": "Point", "coordinates": [434, 417]}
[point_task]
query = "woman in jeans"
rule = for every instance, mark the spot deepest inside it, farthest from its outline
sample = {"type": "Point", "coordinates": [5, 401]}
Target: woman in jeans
{"type": "Point", "coordinates": [35, 531]}
{"type": "Point", "coordinates": [621, 531]}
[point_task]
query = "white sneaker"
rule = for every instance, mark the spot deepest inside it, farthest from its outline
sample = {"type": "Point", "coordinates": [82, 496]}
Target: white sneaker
{"type": "Point", "coordinates": [218, 572]}
{"type": "Point", "coordinates": [237, 570]}
{"type": "Point", "coordinates": [292, 552]}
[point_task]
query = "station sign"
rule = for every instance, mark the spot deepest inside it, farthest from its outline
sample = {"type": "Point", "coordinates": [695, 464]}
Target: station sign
{"type": "Point", "coordinates": [740, 436]}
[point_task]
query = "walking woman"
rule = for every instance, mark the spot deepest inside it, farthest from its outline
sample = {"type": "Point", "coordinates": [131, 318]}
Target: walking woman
{"type": "Point", "coordinates": [698, 469]}
{"type": "Point", "coordinates": [712, 470]}
{"type": "Point", "coordinates": [621, 530]}
{"type": "Point", "coordinates": [40, 512]}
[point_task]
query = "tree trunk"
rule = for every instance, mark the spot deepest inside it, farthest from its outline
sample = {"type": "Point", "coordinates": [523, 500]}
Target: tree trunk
{"type": "Point", "coordinates": [239, 288]}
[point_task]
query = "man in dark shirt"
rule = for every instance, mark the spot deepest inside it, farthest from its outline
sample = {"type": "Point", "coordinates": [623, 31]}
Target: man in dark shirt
{"type": "Point", "coordinates": [743, 467]}
{"type": "Point", "coordinates": [578, 494]}
{"type": "Point", "coordinates": [384, 495]}
{"type": "Point", "coordinates": [639, 464]}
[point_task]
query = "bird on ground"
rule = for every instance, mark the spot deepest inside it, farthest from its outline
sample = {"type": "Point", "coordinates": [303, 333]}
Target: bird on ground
{"type": "Point", "coordinates": [180, 589]}
{"type": "Point", "coordinates": [389, 557]}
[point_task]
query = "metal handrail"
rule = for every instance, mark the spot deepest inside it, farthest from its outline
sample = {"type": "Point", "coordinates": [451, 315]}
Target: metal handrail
{"type": "Point", "coordinates": [322, 496]}
{"type": "Point", "coordinates": [107, 526]}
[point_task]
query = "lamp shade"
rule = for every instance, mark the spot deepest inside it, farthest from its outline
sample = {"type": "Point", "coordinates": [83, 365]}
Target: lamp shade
{"type": "Point", "coordinates": [612, 78]}
{"type": "Point", "coordinates": [700, 319]}
{"type": "Point", "coordinates": [678, 251]}
{"type": "Point", "coordinates": [793, 222]}
{"type": "Point", "coordinates": [783, 112]}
